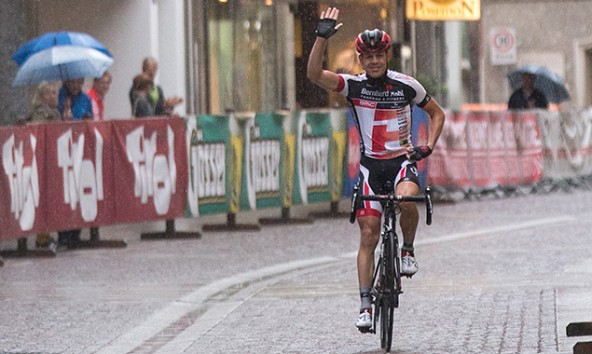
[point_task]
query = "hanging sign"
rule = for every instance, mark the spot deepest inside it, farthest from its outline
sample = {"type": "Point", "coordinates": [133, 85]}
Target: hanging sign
{"type": "Point", "coordinates": [444, 10]}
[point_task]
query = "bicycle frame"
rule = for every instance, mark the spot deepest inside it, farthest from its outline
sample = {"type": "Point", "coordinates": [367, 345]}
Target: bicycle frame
{"type": "Point", "coordinates": [386, 282]}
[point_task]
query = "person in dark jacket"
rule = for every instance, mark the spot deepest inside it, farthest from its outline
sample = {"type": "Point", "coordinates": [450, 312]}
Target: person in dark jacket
{"type": "Point", "coordinates": [528, 97]}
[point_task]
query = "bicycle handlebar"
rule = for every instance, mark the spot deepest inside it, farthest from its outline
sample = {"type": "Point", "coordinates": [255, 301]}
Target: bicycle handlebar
{"type": "Point", "coordinates": [426, 198]}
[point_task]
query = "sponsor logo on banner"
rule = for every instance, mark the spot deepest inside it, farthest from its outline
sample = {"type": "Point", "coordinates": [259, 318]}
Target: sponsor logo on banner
{"type": "Point", "coordinates": [82, 178]}
{"type": "Point", "coordinates": [20, 167]}
{"type": "Point", "coordinates": [209, 172]}
{"type": "Point", "coordinates": [315, 154]}
{"type": "Point", "coordinates": [155, 174]}
{"type": "Point", "coordinates": [265, 167]}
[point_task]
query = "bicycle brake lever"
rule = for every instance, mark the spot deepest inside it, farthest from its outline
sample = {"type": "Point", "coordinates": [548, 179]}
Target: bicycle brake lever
{"type": "Point", "coordinates": [352, 215]}
{"type": "Point", "coordinates": [429, 206]}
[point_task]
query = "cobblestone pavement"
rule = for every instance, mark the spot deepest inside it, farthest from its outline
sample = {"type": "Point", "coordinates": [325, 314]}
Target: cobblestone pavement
{"type": "Point", "coordinates": [496, 276]}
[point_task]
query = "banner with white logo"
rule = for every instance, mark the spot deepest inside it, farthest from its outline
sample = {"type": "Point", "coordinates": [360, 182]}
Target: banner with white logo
{"type": "Point", "coordinates": [312, 157]}
{"type": "Point", "coordinates": [150, 169]}
{"type": "Point", "coordinates": [448, 165]}
{"type": "Point", "coordinates": [209, 150]}
{"type": "Point", "coordinates": [483, 150]}
{"type": "Point", "coordinates": [22, 180]}
{"type": "Point", "coordinates": [567, 140]}
{"type": "Point", "coordinates": [268, 158]}
{"type": "Point", "coordinates": [78, 174]}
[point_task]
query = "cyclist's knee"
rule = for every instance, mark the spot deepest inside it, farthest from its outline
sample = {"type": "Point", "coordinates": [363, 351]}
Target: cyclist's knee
{"type": "Point", "coordinates": [407, 188]}
{"type": "Point", "coordinates": [369, 231]}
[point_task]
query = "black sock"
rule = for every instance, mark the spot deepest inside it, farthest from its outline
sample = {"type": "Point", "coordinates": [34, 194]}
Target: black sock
{"type": "Point", "coordinates": [408, 248]}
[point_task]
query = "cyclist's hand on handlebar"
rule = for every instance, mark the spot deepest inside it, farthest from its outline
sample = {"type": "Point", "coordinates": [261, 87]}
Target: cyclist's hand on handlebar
{"type": "Point", "coordinates": [327, 25]}
{"type": "Point", "coordinates": [418, 153]}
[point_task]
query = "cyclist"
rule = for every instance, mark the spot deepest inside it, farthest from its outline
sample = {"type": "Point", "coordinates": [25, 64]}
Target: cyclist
{"type": "Point", "coordinates": [381, 100]}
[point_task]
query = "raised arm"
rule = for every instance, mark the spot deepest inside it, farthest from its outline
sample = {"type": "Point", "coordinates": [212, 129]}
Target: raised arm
{"type": "Point", "coordinates": [326, 28]}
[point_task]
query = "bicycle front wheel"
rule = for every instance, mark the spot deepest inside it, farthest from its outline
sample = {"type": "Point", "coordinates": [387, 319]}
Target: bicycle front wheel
{"type": "Point", "coordinates": [391, 292]}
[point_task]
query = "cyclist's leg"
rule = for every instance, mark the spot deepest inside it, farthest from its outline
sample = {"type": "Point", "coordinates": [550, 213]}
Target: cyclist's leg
{"type": "Point", "coordinates": [408, 184]}
{"type": "Point", "coordinates": [409, 213]}
{"type": "Point", "coordinates": [369, 215]}
{"type": "Point", "coordinates": [369, 236]}
{"type": "Point", "coordinates": [369, 220]}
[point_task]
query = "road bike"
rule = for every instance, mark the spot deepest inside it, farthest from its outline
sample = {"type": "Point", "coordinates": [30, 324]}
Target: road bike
{"type": "Point", "coordinates": [386, 282]}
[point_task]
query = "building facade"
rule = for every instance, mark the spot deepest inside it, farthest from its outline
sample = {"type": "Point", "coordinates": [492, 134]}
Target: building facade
{"type": "Point", "coordinates": [251, 55]}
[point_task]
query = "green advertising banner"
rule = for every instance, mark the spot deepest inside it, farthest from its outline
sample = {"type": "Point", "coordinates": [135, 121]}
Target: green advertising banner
{"type": "Point", "coordinates": [208, 141]}
{"type": "Point", "coordinates": [288, 178]}
{"type": "Point", "coordinates": [247, 161]}
{"type": "Point", "coordinates": [312, 157]}
{"type": "Point", "coordinates": [265, 154]}
{"type": "Point", "coordinates": [337, 153]}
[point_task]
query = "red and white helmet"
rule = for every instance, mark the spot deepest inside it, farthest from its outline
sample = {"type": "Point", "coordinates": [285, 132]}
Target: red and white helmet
{"type": "Point", "coordinates": [373, 41]}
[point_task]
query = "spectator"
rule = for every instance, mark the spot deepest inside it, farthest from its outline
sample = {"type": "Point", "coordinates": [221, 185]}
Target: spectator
{"type": "Point", "coordinates": [141, 105]}
{"type": "Point", "coordinates": [45, 103]}
{"type": "Point", "coordinates": [528, 97]}
{"type": "Point", "coordinates": [160, 104]}
{"type": "Point", "coordinates": [97, 94]}
{"type": "Point", "coordinates": [45, 108]}
{"type": "Point", "coordinates": [72, 102]}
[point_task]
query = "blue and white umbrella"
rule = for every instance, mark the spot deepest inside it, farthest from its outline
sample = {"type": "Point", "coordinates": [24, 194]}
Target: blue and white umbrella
{"type": "Point", "coordinates": [546, 81]}
{"type": "Point", "coordinates": [55, 39]}
{"type": "Point", "coordinates": [62, 63]}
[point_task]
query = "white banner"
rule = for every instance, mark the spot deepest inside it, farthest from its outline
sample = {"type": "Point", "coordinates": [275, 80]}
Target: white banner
{"type": "Point", "coordinates": [567, 143]}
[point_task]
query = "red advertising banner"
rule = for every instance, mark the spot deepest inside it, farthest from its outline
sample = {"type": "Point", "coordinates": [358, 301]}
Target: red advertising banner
{"type": "Point", "coordinates": [78, 174]}
{"type": "Point", "coordinates": [447, 166]}
{"type": "Point", "coordinates": [150, 169]}
{"type": "Point", "coordinates": [527, 165]}
{"type": "Point", "coordinates": [483, 150]}
{"type": "Point", "coordinates": [22, 203]}
{"type": "Point", "coordinates": [503, 146]}
{"type": "Point", "coordinates": [479, 150]}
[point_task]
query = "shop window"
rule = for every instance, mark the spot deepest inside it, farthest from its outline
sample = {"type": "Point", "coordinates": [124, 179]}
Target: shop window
{"type": "Point", "coordinates": [241, 51]}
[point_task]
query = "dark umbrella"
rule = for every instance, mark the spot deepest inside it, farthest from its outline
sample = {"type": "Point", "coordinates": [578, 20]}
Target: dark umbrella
{"type": "Point", "coordinates": [548, 82]}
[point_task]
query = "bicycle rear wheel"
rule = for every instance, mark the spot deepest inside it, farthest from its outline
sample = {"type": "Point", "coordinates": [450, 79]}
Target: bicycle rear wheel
{"type": "Point", "coordinates": [390, 295]}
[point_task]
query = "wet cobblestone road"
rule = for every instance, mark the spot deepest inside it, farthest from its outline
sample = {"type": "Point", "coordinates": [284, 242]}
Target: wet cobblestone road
{"type": "Point", "coordinates": [496, 276]}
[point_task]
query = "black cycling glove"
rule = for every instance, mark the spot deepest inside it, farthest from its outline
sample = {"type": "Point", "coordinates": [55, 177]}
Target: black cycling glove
{"type": "Point", "coordinates": [420, 152]}
{"type": "Point", "coordinates": [326, 27]}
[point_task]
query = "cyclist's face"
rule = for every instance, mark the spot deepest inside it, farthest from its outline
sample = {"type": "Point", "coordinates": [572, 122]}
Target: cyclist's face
{"type": "Point", "coordinates": [374, 63]}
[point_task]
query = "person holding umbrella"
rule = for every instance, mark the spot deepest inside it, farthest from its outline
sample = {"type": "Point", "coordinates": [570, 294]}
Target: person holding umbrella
{"type": "Point", "coordinates": [528, 97]}
{"type": "Point", "coordinates": [72, 102]}
{"type": "Point", "coordinates": [536, 87]}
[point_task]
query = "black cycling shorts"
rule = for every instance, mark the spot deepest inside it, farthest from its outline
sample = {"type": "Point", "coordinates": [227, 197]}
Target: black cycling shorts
{"type": "Point", "coordinates": [376, 174]}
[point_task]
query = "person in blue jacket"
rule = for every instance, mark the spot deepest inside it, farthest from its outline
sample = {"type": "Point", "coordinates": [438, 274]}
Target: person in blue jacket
{"type": "Point", "coordinates": [73, 103]}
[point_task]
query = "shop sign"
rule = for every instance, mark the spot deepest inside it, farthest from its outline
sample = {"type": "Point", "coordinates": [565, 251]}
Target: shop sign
{"type": "Point", "coordinates": [443, 10]}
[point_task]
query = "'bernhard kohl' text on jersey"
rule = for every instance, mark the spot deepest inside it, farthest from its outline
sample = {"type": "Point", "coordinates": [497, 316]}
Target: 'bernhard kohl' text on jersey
{"type": "Point", "coordinates": [382, 110]}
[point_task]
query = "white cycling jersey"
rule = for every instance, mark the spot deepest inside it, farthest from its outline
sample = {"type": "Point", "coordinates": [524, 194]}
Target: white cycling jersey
{"type": "Point", "coordinates": [382, 110]}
